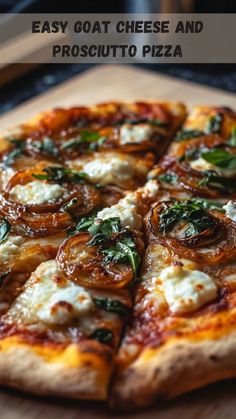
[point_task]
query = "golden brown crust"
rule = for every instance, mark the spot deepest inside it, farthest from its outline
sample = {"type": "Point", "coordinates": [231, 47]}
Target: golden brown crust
{"type": "Point", "coordinates": [177, 367]}
{"type": "Point", "coordinates": [77, 371]}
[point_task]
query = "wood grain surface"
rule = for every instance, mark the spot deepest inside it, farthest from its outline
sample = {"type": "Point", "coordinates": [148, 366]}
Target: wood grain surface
{"type": "Point", "coordinates": [103, 83]}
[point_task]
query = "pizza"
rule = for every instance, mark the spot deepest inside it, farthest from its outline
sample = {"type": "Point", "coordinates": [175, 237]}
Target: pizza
{"type": "Point", "coordinates": [182, 332]}
{"type": "Point", "coordinates": [117, 251]}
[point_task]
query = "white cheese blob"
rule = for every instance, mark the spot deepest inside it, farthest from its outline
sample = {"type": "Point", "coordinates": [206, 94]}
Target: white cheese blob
{"type": "Point", "coordinates": [6, 175]}
{"type": "Point", "coordinates": [230, 210]}
{"type": "Point", "coordinates": [50, 298]}
{"type": "Point", "coordinates": [10, 248]}
{"type": "Point", "coordinates": [185, 290]}
{"type": "Point", "coordinates": [151, 188]}
{"type": "Point", "coordinates": [36, 192]}
{"type": "Point", "coordinates": [201, 165]}
{"type": "Point", "coordinates": [125, 210]}
{"type": "Point", "coordinates": [135, 133]}
{"type": "Point", "coordinates": [109, 169]}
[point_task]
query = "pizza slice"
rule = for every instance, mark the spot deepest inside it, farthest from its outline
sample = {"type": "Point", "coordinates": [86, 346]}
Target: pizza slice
{"type": "Point", "coordinates": [62, 165]}
{"type": "Point", "coordinates": [114, 143]}
{"type": "Point", "coordinates": [202, 159]}
{"type": "Point", "coordinates": [205, 125]}
{"type": "Point", "coordinates": [183, 329]}
{"type": "Point", "coordinates": [62, 328]}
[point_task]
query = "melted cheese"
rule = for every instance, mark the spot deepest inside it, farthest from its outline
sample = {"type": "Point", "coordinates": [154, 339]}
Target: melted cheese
{"type": "Point", "coordinates": [202, 165]}
{"type": "Point", "coordinates": [36, 192]}
{"type": "Point", "coordinates": [125, 210]}
{"type": "Point", "coordinates": [6, 175]}
{"type": "Point", "coordinates": [150, 189]}
{"type": "Point", "coordinates": [50, 298]}
{"type": "Point", "coordinates": [10, 248]}
{"type": "Point", "coordinates": [186, 290]}
{"type": "Point", "coordinates": [230, 210]}
{"type": "Point", "coordinates": [109, 169]}
{"type": "Point", "coordinates": [135, 133]}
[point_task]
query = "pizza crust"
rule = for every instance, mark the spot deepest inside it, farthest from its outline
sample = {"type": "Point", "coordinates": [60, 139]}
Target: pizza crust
{"type": "Point", "coordinates": [79, 371]}
{"type": "Point", "coordinates": [177, 367]}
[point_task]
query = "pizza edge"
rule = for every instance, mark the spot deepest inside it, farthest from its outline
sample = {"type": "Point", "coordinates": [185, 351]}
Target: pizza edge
{"type": "Point", "coordinates": [178, 367]}
{"type": "Point", "coordinates": [79, 370]}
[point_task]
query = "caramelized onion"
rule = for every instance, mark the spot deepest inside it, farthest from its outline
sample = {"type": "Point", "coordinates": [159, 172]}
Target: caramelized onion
{"type": "Point", "coordinates": [48, 218]}
{"type": "Point", "coordinates": [221, 239]}
{"type": "Point", "coordinates": [203, 141]}
{"type": "Point", "coordinates": [188, 178]}
{"type": "Point", "coordinates": [84, 264]}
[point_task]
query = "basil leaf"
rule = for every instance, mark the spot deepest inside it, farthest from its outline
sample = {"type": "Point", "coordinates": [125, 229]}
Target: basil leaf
{"type": "Point", "coordinates": [94, 139]}
{"type": "Point", "coordinates": [219, 182]}
{"type": "Point", "coordinates": [15, 153]}
{"type": "Point", "coordinates": [103, 230]}
{"type": "Point", "coordinates": [188, 211]}
{"type": "Point", "coordinates": [214, 124]}
{"type": "Point", "coordinates": [46, 145]}
{"type": "Point", "coordinates": [16, 142]}
{"type": "Point", "coordinates": [60, 175]}
{"type": "Point", "coordinates": [123, 251]}
{"type": "Point", "coordinates": [220, 158]}
{"type": "Point", "coordinates": [12, 156]}
{"type": "Point", "coordinates": [190, 154]}
{"type": "Point", "coordinates": [168, 178]}
{"type": "Point", "coordinates": [186, 134]}
{"type": "Point", "coordinates": [5, 228]}
{"type": "Point", "coordinates": [102, 335]}
{"type": "Point", "coordinates": [232, 140]}
{"type": "Point", "coordinates": [72, 143]}
{"type": "Point", "coordinates": [114, 306]}
{"type": "Point", "coordinates": [85, 223]}
{"type": "Point", "coordinates": [69, 205]}
{"type": "Point", "coordinates": [207, 204]}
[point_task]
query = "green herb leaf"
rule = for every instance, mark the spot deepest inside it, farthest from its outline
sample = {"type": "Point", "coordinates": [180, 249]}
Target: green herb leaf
{"type": "Point", "coordinates": [103, 230]}
{"type": "Point", "coordinates": [207, 204]}
{"type": "Point", "coordinates": [168, 178]}
{"type": "Point", "coordinates": [16, 142]}
{"type": "Point", "coordinates": [94, 139]}
{"type": "Point", "coordinates": [15, 153]}
{"type": "Point", "coordinates": [214, 124]}
{"type": "Point", "coordinates": [69, 205]}
{"type": "Point", "coordinates": [114, 306]}
{"type": "Point", "coordinates": [102, 335]}
{"type": "Point", "coordinates": [46, 146]}
{"type": "Point", "coordinates": [186, 134]}
{"type": "Point", "coordinates": [220, 158]}
{"type": "Point", "coordinates": [5, 228]}
{"type": "Point", "coordinates": [188, 211]}
{"type": "Point", "coordinates": [61, 175]}
{"type": "Point", "coordinates": [85, 223]}
{"type": "Point", "coordinates": [219, 182]}
{"type": "Point", "coordinates": [12, 156]}
{"type": "Point", "coordinates": [232, 140]}
{"type": "Point", "coordinates": [190, 154]}
{"type": "Point", "coordinates": [123, 251]}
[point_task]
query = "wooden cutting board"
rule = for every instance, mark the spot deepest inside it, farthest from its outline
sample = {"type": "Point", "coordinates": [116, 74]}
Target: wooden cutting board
{"type": "Point", "coordinates": [113, 82]}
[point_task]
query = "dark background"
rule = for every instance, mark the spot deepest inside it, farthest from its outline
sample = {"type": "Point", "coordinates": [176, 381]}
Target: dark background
{"type": "Point", "coordinates": [48, 75]}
